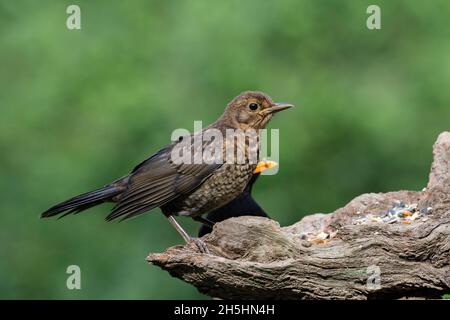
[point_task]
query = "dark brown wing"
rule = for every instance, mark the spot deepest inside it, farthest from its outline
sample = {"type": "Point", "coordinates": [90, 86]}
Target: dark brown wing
{"type": "Point", "coordinates": [157, 181]}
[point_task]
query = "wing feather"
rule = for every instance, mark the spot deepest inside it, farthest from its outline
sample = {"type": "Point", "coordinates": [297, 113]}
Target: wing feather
{"type": "Point", "coordinates": [157, 181]}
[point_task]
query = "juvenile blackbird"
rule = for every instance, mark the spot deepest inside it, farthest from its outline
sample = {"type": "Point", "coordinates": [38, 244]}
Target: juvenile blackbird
{"type": "Point", "coordinates": [242, 205]}
{"type": "Point", "coordinates": [196, 184]}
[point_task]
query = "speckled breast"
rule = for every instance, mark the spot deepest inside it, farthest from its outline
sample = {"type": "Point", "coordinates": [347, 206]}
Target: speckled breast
{"type": "Point", "coordinates": [219, 189]}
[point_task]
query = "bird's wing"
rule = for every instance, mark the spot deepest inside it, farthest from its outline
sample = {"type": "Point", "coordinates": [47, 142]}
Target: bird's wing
{"type": "Point", "coordinates": [157, 181]}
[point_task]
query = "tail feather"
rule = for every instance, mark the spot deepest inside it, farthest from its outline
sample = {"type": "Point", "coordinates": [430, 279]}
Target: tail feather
{"type": "Point", "coordinates": [81, 208]}
{"type": "Point", "coordinates": [82, 202]}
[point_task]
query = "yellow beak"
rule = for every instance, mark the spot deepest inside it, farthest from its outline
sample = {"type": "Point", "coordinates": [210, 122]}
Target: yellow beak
{"type": "Point", "coordinates": [264, 165]}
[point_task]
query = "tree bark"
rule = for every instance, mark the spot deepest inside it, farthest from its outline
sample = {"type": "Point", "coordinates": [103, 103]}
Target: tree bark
{"type": "Point", "coordinates": [384, 245]}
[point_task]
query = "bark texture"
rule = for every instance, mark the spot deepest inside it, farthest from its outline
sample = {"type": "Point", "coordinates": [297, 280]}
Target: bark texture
{"type": "Point", "coordinates": [383, 245]}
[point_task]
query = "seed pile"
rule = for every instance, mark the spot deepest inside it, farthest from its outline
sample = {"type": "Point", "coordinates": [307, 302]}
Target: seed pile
{"type": "Point", "coordinates": [398, 213]}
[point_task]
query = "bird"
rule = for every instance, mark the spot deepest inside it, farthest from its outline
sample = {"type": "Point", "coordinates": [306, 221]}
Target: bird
{"type": "Point", "coordinates": [242, 205]}
{"type": "Point", "coordinates": [192, 175]}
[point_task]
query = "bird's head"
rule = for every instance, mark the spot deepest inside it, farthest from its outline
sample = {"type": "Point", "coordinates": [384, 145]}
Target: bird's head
{"type": "Point", "coordinates": [251, 110]}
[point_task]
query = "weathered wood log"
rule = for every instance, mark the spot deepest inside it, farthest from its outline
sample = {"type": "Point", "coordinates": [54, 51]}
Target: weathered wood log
{"type": "Point", "coordinates": [391, 245]}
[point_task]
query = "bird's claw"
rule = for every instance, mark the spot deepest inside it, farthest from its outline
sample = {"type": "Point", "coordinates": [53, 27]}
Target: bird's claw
{"type": "Point", "coordinates": [200, 245]}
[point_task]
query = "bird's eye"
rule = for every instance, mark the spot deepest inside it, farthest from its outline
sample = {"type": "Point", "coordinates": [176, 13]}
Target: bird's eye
{"type": "Point", "coordinates": [253, 106]}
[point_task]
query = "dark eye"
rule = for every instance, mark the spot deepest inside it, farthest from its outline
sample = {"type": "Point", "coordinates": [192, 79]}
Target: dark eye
{"type": "Point", "coordinates": [253, 106]}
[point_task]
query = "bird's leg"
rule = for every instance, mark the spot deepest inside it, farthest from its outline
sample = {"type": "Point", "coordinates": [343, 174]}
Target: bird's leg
{"type": "Point", "coordinates": [199, 243]}
{"type": "Point", "coordinates": [179, 228]}
{"type": "Point", "coordinates": [205, 221]}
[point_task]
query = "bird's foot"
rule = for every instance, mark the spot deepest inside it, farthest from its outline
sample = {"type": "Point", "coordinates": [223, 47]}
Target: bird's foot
{"type": "Point", "coordinates": [200, 245]}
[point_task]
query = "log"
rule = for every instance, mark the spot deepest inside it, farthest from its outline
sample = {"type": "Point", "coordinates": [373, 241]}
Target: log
{"type": "Point", "coordinates": [379, 246]}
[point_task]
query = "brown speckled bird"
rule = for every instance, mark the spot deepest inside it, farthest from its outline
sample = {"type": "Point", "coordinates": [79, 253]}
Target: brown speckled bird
{"type": "Point", "coordinates": [186, 188]}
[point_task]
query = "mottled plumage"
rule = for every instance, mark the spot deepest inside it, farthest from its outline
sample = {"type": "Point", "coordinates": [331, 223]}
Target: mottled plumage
{"type": "Point", "coordinates": [181, 188]}
{"type": "Point", "coordinates": [242, 205]}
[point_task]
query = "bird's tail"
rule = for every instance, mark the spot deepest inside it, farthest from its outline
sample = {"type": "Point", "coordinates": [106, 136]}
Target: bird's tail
{"type": "Point", "coordinates": [83, 201]}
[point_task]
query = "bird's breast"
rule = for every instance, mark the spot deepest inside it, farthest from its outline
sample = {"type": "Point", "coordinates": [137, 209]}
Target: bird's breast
{"type": "Point", "coordinates": [224, 185]}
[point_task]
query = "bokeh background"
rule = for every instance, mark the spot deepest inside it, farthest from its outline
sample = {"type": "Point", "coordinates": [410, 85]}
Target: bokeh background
{"type": "Point", "coordinates": [80, 108]}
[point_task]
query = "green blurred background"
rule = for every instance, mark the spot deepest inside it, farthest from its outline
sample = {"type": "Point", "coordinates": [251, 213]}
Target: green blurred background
{"type": "Point", "coordinates": [80, 108]}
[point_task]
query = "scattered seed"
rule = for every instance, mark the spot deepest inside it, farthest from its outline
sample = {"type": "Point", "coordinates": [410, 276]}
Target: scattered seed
{"type": "Point", "coordinates": [392, 212]}
{"type": "Point", "coordinates": [405, 213]}
{"type": "Point", "coordinates": [415, 216]}
{"type": "Point", "coordinates": [399, 212]}
{"type": "Point", "coordinates": [393, 220]}
{"type": "Point", "coordinates": [323, 236]}
{"type": "Point", "coordinates": [398, 203]}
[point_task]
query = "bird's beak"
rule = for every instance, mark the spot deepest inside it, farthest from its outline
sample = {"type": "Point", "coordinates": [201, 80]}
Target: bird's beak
{"type": "Point", "coordinates": [277, 107]}
{"type": "Point", "coordinates": [264, 165]}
